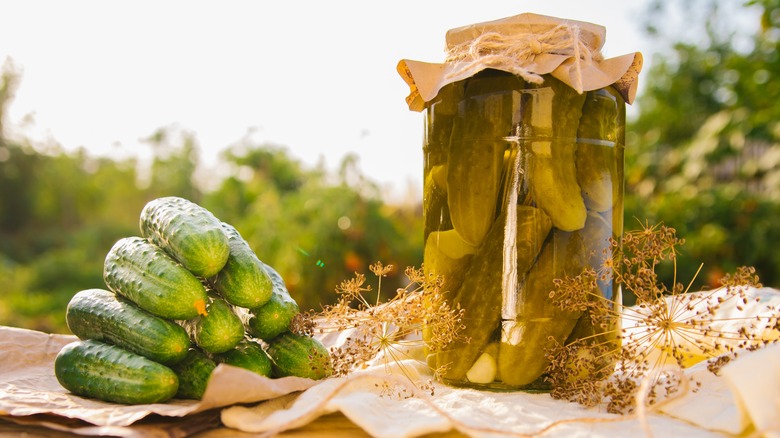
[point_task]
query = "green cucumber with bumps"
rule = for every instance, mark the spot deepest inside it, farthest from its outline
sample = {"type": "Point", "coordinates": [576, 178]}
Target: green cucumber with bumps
{"type": "Point", "coordinates": [274, 317]}
{"type": "Point", "coordinates": [299, 355]}
{"type": "Point", "coordinates": [146, 275]}
{"type": "Point", "coordinates": [194, 373]}
{"type": "Point", "coordinates": [249, 355]}
{"type": "Point", "coordinates": [219, 330]}
{"type": "Point", "coordinates": [109, 373]}
{"type": "Point", "coordinates": [188, 232]}
{"type": "Point", "coordinates": [600, 149]}
{"type": "Point", "coordinates": [243, 281]}
{"type": "Point", "coordinates": [551, 158]}
{"type": "Point", "coordinates": [100, 315]}
{"type": "Point", "coordinates": [476, 153]}
{"type": "Point", "coordinates": [539, 323]}
{"type": "Point", "coordinates": [481, 293]}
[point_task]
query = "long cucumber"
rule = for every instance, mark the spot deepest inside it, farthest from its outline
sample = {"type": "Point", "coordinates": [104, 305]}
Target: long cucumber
{"type": "Point", "coordinates": [540, 322]}
{"type": "Point", "coordinates": [243, 281]}
{"type": "Point", "coordinates": [188, 232]}
{"type": "Point", "coordinates": [100, 315]}
{"type": "Point", "coordinates": [482, 293]}
{"type": "Point", "coordinates": [553, 120]}
{"type": "Point", "coordinates": [146, 275]}
{"type": "Point", "coordinates": [106, 372]}
{"type": "Point", "coordinates": [476, 155]}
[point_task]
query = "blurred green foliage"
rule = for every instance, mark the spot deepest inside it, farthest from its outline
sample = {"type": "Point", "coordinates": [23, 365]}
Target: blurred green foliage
{"type": "Point", "coordinates": [60, 213]}
{"type": "Point", "coordinates": [703, 156]}
{"type": "Point", "coordinates": [704, 151]}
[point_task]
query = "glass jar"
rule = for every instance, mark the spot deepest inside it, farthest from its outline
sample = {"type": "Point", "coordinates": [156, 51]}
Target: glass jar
{"type": "Point", "coordinates": [523, 184]}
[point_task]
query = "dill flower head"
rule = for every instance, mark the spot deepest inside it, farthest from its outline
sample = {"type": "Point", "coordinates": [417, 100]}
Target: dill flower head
{"type": "Point", "coordinates": [666, 331]}
{"type": "Point", "coordinates": [391, 330]}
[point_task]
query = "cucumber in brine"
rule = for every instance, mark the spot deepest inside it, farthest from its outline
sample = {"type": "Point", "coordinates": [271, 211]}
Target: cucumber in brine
{"type": "Point", "coordinates": [475, 163]}
{"type": "Point", "coordinates": [551, 169]}
{"type": "Point", "coordinates": [599, 157]}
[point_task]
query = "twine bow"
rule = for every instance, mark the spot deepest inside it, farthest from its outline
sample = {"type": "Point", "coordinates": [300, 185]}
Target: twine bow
{"type": "Point", "coordinates": [516, 53]}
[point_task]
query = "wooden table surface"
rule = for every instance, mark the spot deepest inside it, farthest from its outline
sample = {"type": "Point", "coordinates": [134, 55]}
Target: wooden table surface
{"type": "Point", "coordinates": [327, 426]}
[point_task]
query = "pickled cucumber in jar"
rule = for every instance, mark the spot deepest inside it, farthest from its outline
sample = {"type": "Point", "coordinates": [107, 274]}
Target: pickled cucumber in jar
{"type": "Point", "coordinates": [481, 292]}
{"type": "Point", "coordinates": [527, 190]}
{"type": "Point", "coordinates": [553, 120]}
{"type": "Point", "coordinates": [540, 323]}
{"type": "Point", "coordinates": [475, 161]}
{"type": "Point", "coordinates": [599, 157]}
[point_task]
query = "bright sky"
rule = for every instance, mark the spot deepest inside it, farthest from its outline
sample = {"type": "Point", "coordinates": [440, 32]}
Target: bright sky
{"type": "Point", "coordinates": [316, 77]}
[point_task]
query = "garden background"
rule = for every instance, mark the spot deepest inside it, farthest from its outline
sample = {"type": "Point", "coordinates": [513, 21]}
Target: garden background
{"type": "Point", "coordinates": [702, 156]}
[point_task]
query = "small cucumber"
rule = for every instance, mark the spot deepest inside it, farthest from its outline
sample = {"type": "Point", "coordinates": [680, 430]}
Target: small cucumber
{"type": "Point", "coordinates": [298, 355]}
{"type": "Point", "coordinates": [146, 275]}
{"type": "Point", "coordinates": [188, 232]}
{"type": "Point", "coordinates": [555, 110]}
{"type": "Point", "coordinates": [106, 372]}
{"type": "Point", "coordinates": [194, 373]}
{"type": "Point", "coordinates": [100, 315]}
{"type": "Point", "coordinates": [218, 330]}
{"type": "Point", "coordinates": [243, 281]}
{"type": "Point", "coordinates": [249, 355]}
{"type": "Point", "coordinates": [482, 293]}
{"type": "Point", "coordinates": [599, 150]}
{"type": "Point", "coordinates": [274, 317]}
{"type": "Point", "coordinates": [539, 322]}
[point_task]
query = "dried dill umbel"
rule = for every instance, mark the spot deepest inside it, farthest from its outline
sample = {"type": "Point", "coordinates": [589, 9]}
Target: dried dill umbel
{"type": "Point", "coordinates": [667, 330]}
{"type": "Point", "coordinates": [388, 330]}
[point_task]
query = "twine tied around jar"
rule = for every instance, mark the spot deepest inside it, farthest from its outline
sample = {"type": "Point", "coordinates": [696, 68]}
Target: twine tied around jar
{"type": "Point", "coordinates": [527, 45]}
{"type": "Point", "coordinates": [515, 53]}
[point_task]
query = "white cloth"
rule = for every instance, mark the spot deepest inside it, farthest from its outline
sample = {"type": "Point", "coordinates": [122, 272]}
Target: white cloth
{"type": "Point", "coordinates": [744, 398]}
{"type": "Point", "coordinates": [746, 394]}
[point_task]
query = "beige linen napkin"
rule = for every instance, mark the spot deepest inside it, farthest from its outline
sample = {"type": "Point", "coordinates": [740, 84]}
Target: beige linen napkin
{"type": "Point", "coordinates": [529, 45]}
{"type": "Point", "coordinates": [722, 404]}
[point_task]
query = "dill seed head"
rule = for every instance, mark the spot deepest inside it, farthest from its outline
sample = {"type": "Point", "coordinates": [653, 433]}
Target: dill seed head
{"type": "Point", "coordinates": [388, 329]}
{"type": "Point", "coordinates": [670, 328]}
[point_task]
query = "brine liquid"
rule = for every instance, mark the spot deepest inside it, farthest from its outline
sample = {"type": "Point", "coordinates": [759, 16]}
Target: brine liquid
{"type": "Point", "coordinates": [523, 185]}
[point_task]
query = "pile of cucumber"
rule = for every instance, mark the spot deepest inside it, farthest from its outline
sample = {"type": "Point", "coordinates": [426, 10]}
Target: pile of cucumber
{"type": "Point", "coordinates": [185, 296]}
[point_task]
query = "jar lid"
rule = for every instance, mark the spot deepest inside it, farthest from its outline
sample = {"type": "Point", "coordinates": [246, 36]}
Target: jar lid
{"type": "Point", "coordinates": [530, 46]}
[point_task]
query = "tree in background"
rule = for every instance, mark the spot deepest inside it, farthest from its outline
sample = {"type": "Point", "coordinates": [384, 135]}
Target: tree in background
{"type": "Point", "coordinates": [174, 165]}
{"type": "Point", "coordinates": [9, 79]}
{"type": "Point", "coordinates": [704, 157]}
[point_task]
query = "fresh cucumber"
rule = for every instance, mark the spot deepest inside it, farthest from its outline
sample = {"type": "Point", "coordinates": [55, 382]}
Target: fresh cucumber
{"type": "Point", "coordinates": [243, 281]}
{"type": "Point", "coordinates": [188, 232]}
{"type": "Point", "coordinates": [298, 355]}
{"type": "Point", "coordinates": [218, 330]}
{"type": "Point", "coordinates": [249, 355]}
{"type": "Point", "coordinates": [100, 315]}
{"type": "Point", "coordinates": [274, 317]}
{"type": "Point", "coordinates": [194, 373]}
{"type": "Point", "coordinates": [146, 275]}
{"type": "Point", "coordinates": [106, 372]}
